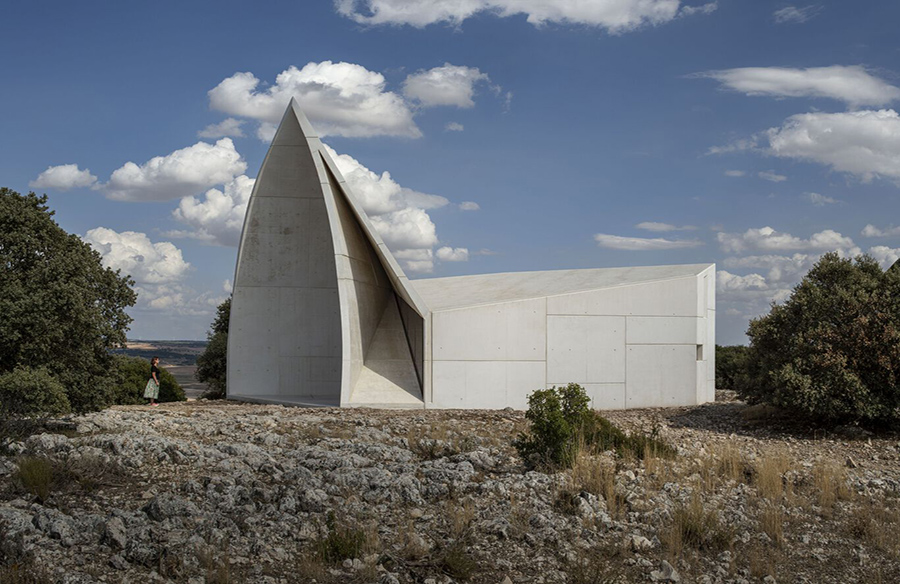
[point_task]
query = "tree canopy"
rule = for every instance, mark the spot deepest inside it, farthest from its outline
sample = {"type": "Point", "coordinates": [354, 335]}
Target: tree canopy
{"type": "Point", "coordinates": [832, 350]}
{"type": "Point", "coordinates": [61, 309]}
{"type": "Point", "coordinates": [212, 365]}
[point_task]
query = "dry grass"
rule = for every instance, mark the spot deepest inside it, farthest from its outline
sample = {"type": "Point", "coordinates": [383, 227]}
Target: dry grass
{"type": "Point", "coordinates": [771, 521]}
{"type": "Point", "coordinates": [437, 440]}
{"type": "Point", "coordinates": [459, 517]}
{"type": "Point", "coordinates": [413, 546]}
{"type": "Point", "coordinates": [597, 475]}
{"type": "Point", "coordinates": [601, 564]}
{"type": "Point", "coordinates": [764, 561]}
{"type": "Point", "coordinates": [769, 470]}
{"type": "Point", "coordinates": [829, 484]}
{"type": "Point", "coordinates": [696, 527]}
{"type": "Point", "coordinates": [877, 523]}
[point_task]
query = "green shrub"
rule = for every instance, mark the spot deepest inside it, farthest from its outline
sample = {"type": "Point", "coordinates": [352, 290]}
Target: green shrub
{"type": "Point", "coordinates": [133, 375]}
{"type": "Point", "coordinates": [562, 424]}
{"type": "Point", "coordinates": [730, 364]}
{"type": "Point", "coordinates": [558, 417]}
{"type": "Point", "coordinates": [832, 350]}
{"type": "Point", "coordinates": [25, 391]}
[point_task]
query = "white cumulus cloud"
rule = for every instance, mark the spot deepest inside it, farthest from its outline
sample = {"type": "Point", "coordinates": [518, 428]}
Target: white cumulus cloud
{"type": "Point", "coordinates": [885, 256]}
{"type": "Point", "coordinates": [454, 127]}
{"type": "Point", "coordinates": [227, 127]}
{"type": "Point", "coordinates": [735, 173]}
{"type": "Point", "coordinates": [469, 206]}
{"type": "Point", "coordinates": [158, 269]}
{"type": "Point", "coordinates": [853, 84]}
{"type": "Point", "coordinates": [341, 99]}
{"type": "Point", "coordinates": [614, 16]}
{"type": "Point", "coordinates": [872, 231]}
{"type": "Point", "coordinates": [218, 217]}
{"type": "Point", "coordinates": [63, 178]}
{"type": "Point", "coordinates": [379, 193]}
{"type": "Point", "coordinates": [767, 239]}
{"type": "Point", "coordinates": [726, 282]}
{"type": "Point", "coordinates": [137, 256]}
{"type": "Point", "coordinates": [450, 85]}
{"type": "Point", "coordinates": [179, 174]}
{"type": "Point", "coordinates": [863, 143]}
{"type": "Point", "coordinates": [794, 15]}
{"type": "Point", "coordinates": [642, 243]}
{"type": "Point", "coordinates": [453, 254]}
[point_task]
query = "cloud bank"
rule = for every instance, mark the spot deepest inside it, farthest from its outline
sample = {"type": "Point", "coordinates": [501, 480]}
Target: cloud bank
{"type": "Point", "coordinates": [614, 16]}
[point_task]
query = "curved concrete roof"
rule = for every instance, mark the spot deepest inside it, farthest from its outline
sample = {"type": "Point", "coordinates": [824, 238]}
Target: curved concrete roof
{"type": "Point", "coordinates": [465, 291]}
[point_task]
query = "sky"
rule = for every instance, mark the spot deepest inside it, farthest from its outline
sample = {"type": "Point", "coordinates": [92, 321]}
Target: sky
{"type": "Point", "coordinates": [479, 135]}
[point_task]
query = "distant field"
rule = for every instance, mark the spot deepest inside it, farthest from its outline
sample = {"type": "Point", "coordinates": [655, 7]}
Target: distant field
{"type": "Point", "coordinates": [182, 353]}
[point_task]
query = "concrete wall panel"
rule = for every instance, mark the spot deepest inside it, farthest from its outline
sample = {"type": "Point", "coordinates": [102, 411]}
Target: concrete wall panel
{"type": "Point", "coordinates": [585, 349]}
{"type": "Point", "coordinates": [661, 376]}
{"type": "Point", "coordinates": [485, 384]}
{"type": "Point", "coordinates": [606, 396]}
{"type": "Point", "coordinates": [677, 297]}
{"type": "Point", "coordinates": [665, 330]}
{"type": "Point", "coordinates": [515, 331]}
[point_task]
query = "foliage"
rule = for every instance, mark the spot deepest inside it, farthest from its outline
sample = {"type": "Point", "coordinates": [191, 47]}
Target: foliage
{"type": "Point", "coordinates": [212, 365]}
{"type": "Point", "coordinates": [562, 424]}
{"type": "Point", "coordinates": [61, 308]}
{"type": "Point", "coordinates": [832, 350]}
{"type": "Point", "coordinates": [558, 417]}
{"type": "Point", "coordinates": [730, 362]}
{"type": "Point", "coordinates": [342, 543]}
{"type": "Point", "coordinates": [31, 392]}
{"type": "Point", "coordinates": [133, 375]}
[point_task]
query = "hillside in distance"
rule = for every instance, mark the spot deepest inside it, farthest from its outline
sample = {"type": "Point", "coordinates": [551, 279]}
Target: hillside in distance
{"type": "Point", "coordinates": [178, 353]}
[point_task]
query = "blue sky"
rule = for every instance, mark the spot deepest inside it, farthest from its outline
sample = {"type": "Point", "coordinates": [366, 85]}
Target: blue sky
{"type": "Point", "coordinates": [516, 134]}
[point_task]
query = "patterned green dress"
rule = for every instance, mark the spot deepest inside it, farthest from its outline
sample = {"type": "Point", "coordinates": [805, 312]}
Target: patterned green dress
{"type": "Point", "coordinates": [151, 391]}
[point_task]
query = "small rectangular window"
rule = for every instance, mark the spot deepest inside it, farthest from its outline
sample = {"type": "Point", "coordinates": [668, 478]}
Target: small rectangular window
{"type": "Point", "coordinates": [699, 352]}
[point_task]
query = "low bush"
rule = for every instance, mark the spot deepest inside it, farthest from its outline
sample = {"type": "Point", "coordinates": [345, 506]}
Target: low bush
{"type": "Point", "coordinates": [457, 562]}
{"type": "Point", "coordinates": [25, 391]}
{"type": "Point", "coordinates": [133, 375]}
{"type": "Point", "coordinates": [562, 425]}
{"type": "Point", "coordinates": [343, 542]}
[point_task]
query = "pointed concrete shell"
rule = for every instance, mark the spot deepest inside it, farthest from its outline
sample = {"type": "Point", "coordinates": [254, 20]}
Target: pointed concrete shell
{"type": "Point", "coordinates": [320, 306]}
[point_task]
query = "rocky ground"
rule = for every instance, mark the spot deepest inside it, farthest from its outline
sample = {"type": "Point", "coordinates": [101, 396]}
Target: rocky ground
{"type": "Point", "coordinates": [215, 492]}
